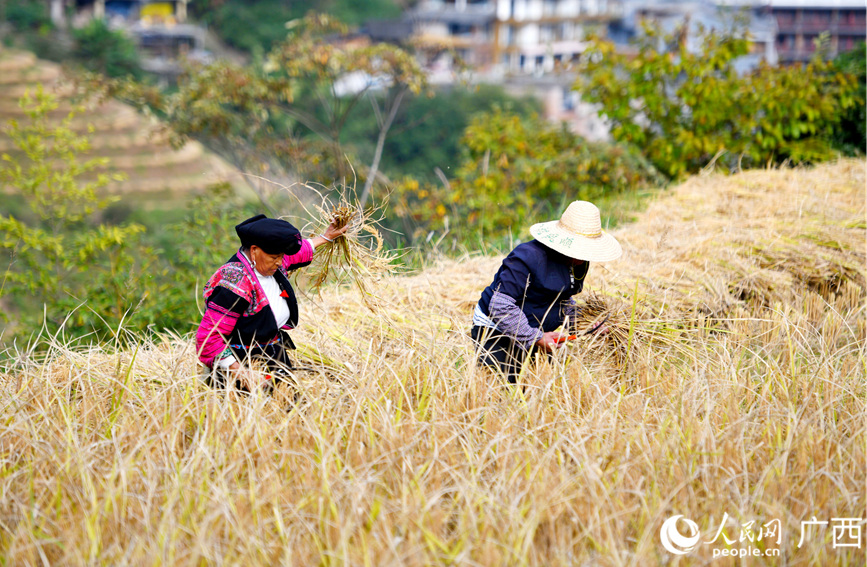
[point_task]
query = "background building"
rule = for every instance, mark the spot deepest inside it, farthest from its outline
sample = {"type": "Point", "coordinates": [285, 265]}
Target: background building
{"type": "Point", "coordinates": [511, 36]}
{"type": "Point", "coordinates": [801, 22]}
{"type": "Point", "coordinates": [166, 12]}
{"type": "Point", "coordinates": [536, 36]}
{"type": "Point", "coordinates": [782, 31]}
{"type": "Point", "coordinates": [159, 28]}
{"type": "Point", "coordinates": [684, 20]}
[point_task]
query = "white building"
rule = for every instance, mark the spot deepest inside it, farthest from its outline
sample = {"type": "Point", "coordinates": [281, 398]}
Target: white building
{"type": "Point", "coordinates": [536, 36]}
{"type": "Point", "coordinates": [512, 36]}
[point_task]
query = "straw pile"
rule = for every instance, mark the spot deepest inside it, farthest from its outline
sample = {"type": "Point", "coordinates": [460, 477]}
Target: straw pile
{"type": "Point", "coordinates": [718, 251]}
{"type": "Point", "coordinates": [714, 254]}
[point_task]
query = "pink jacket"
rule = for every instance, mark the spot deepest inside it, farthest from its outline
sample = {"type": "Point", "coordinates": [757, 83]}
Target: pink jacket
{"type": "Point", "coordinates": [239, 277]}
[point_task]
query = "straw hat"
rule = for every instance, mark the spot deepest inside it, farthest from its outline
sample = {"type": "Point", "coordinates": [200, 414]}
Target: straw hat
{"type": "Point", "coordinates": [578, 234]}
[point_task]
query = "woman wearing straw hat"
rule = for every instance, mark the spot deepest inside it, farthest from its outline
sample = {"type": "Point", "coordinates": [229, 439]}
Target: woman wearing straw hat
{"type": "Point", "coordinates": [531, 294]}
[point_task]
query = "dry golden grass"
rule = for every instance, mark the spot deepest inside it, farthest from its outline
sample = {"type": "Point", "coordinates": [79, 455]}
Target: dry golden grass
{"type": "Point", "coordinates": [741, 389]}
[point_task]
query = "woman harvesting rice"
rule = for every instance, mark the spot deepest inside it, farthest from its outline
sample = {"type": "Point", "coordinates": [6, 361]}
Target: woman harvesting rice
{"type": "Point", "coordinates": [249, 303]}
{"type": "Point", "coordinates": [531, 294]}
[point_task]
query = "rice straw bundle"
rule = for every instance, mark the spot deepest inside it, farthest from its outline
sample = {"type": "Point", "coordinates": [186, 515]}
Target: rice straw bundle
{"type": "Point", "coordinates": [631, 329]}
{"type": "Point", "coordinates": [358, 253]}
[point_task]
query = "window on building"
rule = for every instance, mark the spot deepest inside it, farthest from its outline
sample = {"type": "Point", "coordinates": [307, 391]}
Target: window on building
{"type": "Point", "coordinates": [460, 29]}
{"type": "Point", "coordinates": [508, 35]}
{"type": "Point", "coordinates": [549, 8]}
{"type": "Point", "coordinates": [786, 17]}
{"type": "Point", "coordinates": [785, 42]}
{"type": "Point", "coordinates": [569, 100]}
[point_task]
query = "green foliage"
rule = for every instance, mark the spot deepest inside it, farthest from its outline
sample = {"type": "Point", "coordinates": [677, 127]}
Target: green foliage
{"type": "Point", "coordinates": [60, 259]}
{"type": "Point", "coordinates": [427, 130]}
{"type": "Point", "coordinates": [282, 118]}
{"type": "Point", "coordinates": [515, 169]}
{"type": "Point", "coordinates": [253, 27]}
{"type": "Point", "coordinates": [90, 276]}
{"type": "Point", "coordinates": [353, 12]}
{"type": "Point", "coordinates": [106, 51]}
{"type": "Point", "coordinates": [851, 133]}
{"type": "Point", "coordinates": [31, 28]}
{"type": "Point", "coordinates": [26, 14]}
{"type": "Point", "coordinates": [195, 248]}
{"type": "Point", "coordinates": [256, 27]}
{"type": "Point", "coordinates": [683, 109]}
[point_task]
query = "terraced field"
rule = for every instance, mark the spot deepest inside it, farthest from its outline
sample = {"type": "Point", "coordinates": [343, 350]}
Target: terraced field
{"type": "Point", "coordinates": [129, 140]}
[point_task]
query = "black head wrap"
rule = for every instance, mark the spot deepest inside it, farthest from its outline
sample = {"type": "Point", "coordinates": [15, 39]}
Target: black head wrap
{"type": "Point", "coordinates": [274, 236]}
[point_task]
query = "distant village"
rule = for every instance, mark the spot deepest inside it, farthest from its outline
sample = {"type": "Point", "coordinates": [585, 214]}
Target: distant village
{"type": "Point", "coordinates": [528, 46]}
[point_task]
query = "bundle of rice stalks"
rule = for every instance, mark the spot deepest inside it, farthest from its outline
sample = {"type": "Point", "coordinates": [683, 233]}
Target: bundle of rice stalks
{"type": "Point", "coordinates": [359, 253]}
{"type": "Point", "coordinates": [823, 268]}
{"type": "Point", "coordinates": [625, 329]}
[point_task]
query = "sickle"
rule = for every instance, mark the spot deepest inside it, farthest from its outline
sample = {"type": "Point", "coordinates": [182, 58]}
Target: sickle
{"type": "Point", "coordinates": [592, 330]}
{"type": "Point", "coordinates": [587, 332]}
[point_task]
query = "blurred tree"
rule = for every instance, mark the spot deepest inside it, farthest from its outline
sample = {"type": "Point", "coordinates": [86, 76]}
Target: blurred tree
{"type": "Point", "coordinates": [851, 133]}
{"type": "Point", "coordinates": [684, 109]}
{"type": "Point", "coordinates": [427, 130]}
{"type": "Point", "coordinates": [106, 51]}
{"type": "Point", "coordinates": [284, 118]}
{"type": "Point", "coordinates": [515, 169]}
{"type": "Point", "coordinates": [62, 260]}
{"type": "Point", "coordinates": [256, 27]}
{"type": "Point", "coordinates": [25, 14]}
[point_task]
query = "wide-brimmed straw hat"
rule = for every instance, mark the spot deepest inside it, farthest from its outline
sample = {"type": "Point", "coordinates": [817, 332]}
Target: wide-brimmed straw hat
{"type": "Point", "coordinates": [578, 234]}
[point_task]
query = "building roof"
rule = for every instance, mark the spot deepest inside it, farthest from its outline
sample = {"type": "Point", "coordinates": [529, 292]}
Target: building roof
{"type": "Point", "coordinates": [388, 30]}
{"type": "Point", "coordinates": [821, 4]}
{"type": "Point", "coordinates": [472, 16]}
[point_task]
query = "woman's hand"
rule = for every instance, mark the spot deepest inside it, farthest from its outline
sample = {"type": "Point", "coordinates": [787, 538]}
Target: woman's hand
{"type": "Point", "coordinates": [550, 341]}
{"type": "Point", "coordinates": [331, 233]}
{"type": "Point", "coordinates": [251, 380]}
{"type": "Point", "coordinates": [599, 328]}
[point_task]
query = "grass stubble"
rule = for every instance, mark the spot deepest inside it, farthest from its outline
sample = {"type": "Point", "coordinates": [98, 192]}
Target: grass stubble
{"type": "Point", "coordinates": [733, 381]}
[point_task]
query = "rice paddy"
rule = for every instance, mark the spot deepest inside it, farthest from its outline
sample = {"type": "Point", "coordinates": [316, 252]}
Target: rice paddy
{"type": "Point", "coordinates": [731, 390]}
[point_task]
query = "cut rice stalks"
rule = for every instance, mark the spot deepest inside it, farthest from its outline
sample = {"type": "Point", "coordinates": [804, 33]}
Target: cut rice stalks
{"type": "Point", "coordinates": [631, 329]}
{"type": "Point", "coordinates": [358, 254]}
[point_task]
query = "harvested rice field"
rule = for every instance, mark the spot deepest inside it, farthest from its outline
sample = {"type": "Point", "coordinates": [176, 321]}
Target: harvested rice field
{"type": "Point", "coordinates": [721, 421]}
